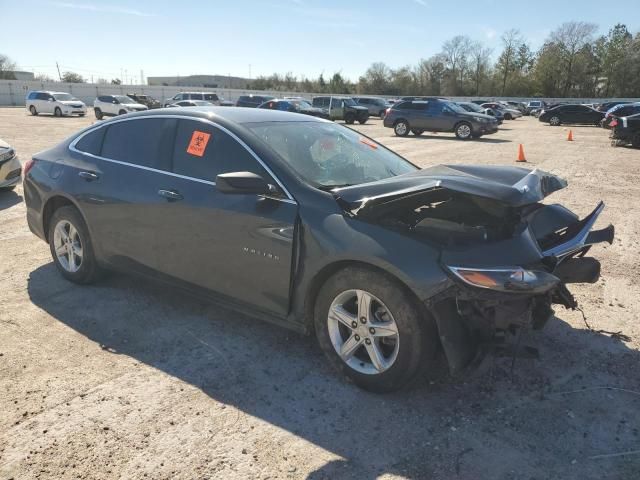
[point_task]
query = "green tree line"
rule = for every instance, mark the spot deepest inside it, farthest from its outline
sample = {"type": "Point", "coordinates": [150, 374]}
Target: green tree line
{"type": "Point", "coordinates": [572, 62]}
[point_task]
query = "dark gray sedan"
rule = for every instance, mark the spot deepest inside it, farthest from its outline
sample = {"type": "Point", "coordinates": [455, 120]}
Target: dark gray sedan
{"type": "Point", "coordinates": [316, 227]}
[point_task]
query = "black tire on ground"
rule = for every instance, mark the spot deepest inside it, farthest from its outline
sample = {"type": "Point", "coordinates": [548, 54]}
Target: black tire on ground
{"type": "Point", "coordinates": [417, 332]}
{"type": "Point", "coordinates": [635, 141]}
{"type": "Point", "coordinates": [417, 131]}
{"type": "Point", "coordinates": [401, 128]}
{"type": "Point", "coordinates": [555, 121]}
{"type": "Point", "coordinates": [507, 116]}
{"type": "Point", "coordinates": [57, 112]}
{"type": "Point", "coordinates": [463, 131]}
{"type": "Point", "coordinates": [89, 270]}
{"type": "Point", "coordinates": [122, 112]}
{"type": "Point", "coordinates": [99, 114]}
{"type": "Point", "coordinates": [363, 120]}
{"type": "Point", "coordinates": [349, 118]}
{"type": "Point", "coordinates": [33, 111]}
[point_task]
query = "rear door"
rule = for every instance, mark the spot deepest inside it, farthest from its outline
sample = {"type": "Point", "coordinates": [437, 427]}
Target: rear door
{"type": "Point", "coordinates": [436, 119]}
{"type": "Point", "coordinates": [238, 245]}
{"type": "Point", "coordinates": [118, 189]}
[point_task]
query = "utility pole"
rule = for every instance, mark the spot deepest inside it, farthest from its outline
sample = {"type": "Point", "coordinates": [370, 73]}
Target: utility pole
{"type": "Point", "coordinates": [58, 67]}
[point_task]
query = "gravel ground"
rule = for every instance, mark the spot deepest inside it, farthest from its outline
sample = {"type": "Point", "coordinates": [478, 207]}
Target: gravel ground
{"type": "Point", "coordinates": [127, 379]}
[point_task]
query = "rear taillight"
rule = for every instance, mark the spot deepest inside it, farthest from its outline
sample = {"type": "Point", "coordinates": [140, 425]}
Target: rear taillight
{"type": "Point", "coordinates": [27, 166]}
{"type": "Point", "coordinates": [613, 123]}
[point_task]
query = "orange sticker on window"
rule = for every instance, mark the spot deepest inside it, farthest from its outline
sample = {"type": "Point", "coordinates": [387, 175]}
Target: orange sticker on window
{"type": "Point", "coordinates": [198, 143]}
{"type": "Point", "coordinates": [368, 143]}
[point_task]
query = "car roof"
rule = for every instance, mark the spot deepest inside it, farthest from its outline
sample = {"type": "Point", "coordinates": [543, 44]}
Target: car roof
{"type": "Point", "coordinates": [237, 115]}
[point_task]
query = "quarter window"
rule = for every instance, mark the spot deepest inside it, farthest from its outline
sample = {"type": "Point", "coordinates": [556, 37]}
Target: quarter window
{"type": "Point", "coordinates": [202, 151]}
{"type": "Point", "coordinates": [91, 142]}
{"type": "Point", "coordinates": [144, 142]}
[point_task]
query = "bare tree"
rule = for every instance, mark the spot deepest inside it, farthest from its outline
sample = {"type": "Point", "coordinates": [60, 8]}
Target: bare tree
{"type": "Point", "coordinates": [480, 58]}
{"type": "Point", "coordinates": [7, 66]}
{"type": "Point", "coordinates": [43, 77]}
{"type": "Point", "coordinates": [456, 52]}
{"type": "Point", "coordinates": [511, 41]}
{"type": "Point", "coordinates": [572, 37]}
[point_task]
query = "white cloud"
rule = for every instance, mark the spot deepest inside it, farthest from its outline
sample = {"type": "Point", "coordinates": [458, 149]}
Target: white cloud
{"type": "Point", "coordinates": [102, 8]}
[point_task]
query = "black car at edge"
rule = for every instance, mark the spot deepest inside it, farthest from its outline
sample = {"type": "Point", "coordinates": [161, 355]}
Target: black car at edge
{"type": "Point", "coordinates": [314, 226]}
{"type": "Point", "coordinates": [572, 114]}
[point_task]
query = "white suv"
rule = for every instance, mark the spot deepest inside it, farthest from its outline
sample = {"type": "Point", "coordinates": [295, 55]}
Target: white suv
{"type": "Point", "coordinates": [112, 105]}
{"type": "Point", "coordinates": [58, 103]}
{"type": "Point", "coordinates": [206, 96]}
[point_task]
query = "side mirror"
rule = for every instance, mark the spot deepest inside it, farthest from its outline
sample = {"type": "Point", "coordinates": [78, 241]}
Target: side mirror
{"type": "Point", "coordinates": [245, 183]}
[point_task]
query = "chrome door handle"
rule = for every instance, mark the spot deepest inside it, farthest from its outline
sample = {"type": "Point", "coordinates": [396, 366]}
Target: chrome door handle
{"type": "Point", "coordinates": [170, 195]}
{"type": "Point", "coordinates": [89, 176]}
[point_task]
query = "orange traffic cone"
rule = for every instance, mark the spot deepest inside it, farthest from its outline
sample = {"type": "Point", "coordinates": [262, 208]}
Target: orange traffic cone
{"type": "Point", "coordinates": [570, 136]}
{"type": "Point", "coordinates": [521, 157]}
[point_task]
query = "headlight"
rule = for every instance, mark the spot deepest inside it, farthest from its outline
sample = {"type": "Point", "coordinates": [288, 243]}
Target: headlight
{"type": "Point", "coordinates": [6, 154]}
{"type": "Point", "coordinates": [506, 279]}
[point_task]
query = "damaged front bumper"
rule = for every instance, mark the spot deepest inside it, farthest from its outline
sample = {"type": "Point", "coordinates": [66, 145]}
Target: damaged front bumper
{"type": "Point", "coordinates": [487, 305]}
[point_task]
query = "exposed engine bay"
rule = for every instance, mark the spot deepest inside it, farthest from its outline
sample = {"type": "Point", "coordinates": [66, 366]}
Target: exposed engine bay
{"type": "Point", "coordinates": [510, 256]}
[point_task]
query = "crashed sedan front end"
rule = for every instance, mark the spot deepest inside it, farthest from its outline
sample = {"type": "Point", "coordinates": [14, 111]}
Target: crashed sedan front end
{"type": "Point", "coordinates": [508, 256]}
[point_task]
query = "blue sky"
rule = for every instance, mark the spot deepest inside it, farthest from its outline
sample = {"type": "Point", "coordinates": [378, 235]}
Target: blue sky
{"type": "Point", "coordinates": [106, 38]}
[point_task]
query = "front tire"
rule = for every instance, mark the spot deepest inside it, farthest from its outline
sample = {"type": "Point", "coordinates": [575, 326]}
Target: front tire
{"type": "Point", "coordinates": [555, 121]}
{"type": "Point", "coordinates": [372, 330]}
{"type": "Point", "coordinates": [349, 119]}
{"type": "Point", "coordinates": [463, 131]}
{"type": "Point", "coordinates": [363, 120]}
{"type": "Point", "coordinates": [401, 128]}
{"type": "Point", "coordinates": [33, 111]}
{"type": "Point", "coordinates": [57, 112]}
{"type": "Point", "coordinates": [508, 116]}
{"type": "Point", "coordinates": [99, 114]}
{"type": "Point", "coordinates": [71, 246]}
{"type": "Point", "coordinates": [122, 112]}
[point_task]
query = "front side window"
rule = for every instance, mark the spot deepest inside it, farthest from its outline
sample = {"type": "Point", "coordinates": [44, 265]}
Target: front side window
{"type": "Point", "coordinates": [329, 155]}
{"type": "Point", "coordinates": [202, 151]}
{"type": "Point", "coordinates": [196, 96]}
{"type": "Point", "coordinates": [62, 97]}
{"type": "Point", "coordinates": [145, 142]}
{"type": "Point", "coordinates": [212, 97]}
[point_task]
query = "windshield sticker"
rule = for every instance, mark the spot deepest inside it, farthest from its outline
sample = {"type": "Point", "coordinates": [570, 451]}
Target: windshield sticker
{"type": "Point", "coordinates": [198, 143]}
{"type": "Point", "coordinates": [368, 143]}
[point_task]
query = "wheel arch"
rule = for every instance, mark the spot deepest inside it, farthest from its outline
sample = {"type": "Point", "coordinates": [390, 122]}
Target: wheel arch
{"type": "Point", "coordinates": [52, 204]}
{"type": "Point", "coordinates": [321, 277]}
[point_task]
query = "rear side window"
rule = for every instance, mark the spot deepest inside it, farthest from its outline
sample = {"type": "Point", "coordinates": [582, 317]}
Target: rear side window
{"type": "Point", "coordinates": [144, 142]}
{"type": "Point", "coordinates": [211, 97]}
{"type": "Point", "coordinates": [43, 96]}
{"type": "Point", "coordinates": [91, 142]}
{"type": "Point", "coordinates": [196, 96]}
{"type": "Point", "coordinates": [435, 107]}
{"type": "Point", "coordinates": [202, 151]}
{"type": "Point", "coordinates": [32, 95]}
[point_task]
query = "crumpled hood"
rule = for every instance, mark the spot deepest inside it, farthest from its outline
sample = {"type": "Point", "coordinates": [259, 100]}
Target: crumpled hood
{"type": "Point", "coordinates": [513, 186]}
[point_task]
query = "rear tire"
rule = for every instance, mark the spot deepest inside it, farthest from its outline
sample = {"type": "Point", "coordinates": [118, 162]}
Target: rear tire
{"type": "Point", "coordinates": [349, 118]}
{"type": "Point", "coordinates": [555, 121]}
{"type": "Point", "coordinates": [57, 112]}
{"type": "Point", "coordinates": [401, 128]}
{"type": "Point", "coordinates": [417, 131]}
{"type": "Point", "coordinates": [99, 114]}
{"type": "Point", "coordinates": [508, 116]}
{"type": "Point", "coordinates": [33, 111]}
{"type": "Point", "coordinates": [363, 120]}
{"type": "Point", "coordinates": [71, 247]}
{"type": "Point", "coordinates": [635, 141]}
{"type": "Point", "coordinates": [410, 335]}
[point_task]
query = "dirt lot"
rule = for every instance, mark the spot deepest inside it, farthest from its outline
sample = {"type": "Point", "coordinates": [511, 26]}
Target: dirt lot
{"type": "Point", "coordinates": [127, 379]}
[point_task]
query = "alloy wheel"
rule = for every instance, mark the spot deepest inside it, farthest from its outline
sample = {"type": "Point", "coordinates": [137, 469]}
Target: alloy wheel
{"type": "Point", "coordinates": [554, 121]}
{"type": "Point", "coordinates": [464, 131]}
{"type": "Point", "coordinates": [363, 332]}
{"type": "Point", "coordinates": [401, 128]}
{"type": "Point", "coordinates": [67, 246]}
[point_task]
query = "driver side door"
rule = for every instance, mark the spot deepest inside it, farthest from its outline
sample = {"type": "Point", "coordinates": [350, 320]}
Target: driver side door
{"type": "Point", "coordinates": [238, 245]}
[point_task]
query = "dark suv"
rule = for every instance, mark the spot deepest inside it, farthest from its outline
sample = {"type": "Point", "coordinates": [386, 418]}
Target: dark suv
{"type": "Point", "coordinates": [253, 101]}
{"type": "Point", "coordinates": [342, 108]}
{"type": "Point", "coordinates": [436, 115]}
{"type": "Point", "coordinates": [146, 100]}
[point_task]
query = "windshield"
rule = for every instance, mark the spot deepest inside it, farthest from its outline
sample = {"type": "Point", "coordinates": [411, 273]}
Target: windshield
{"type": "Point", "coordinates": [472, 107]}
{"type": "Point", "coordinates": [64, 96]}
{"type": "Point", "coordinates": [350, 102]}
{"type": "Point", "coordinates": [123, 99]}
{"type": "Point", "coordinates": [455, 107]}
{"type": "Point", "coordinates": [301, 103]}
{"type": "Point", "coordinates": [327, 155]}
